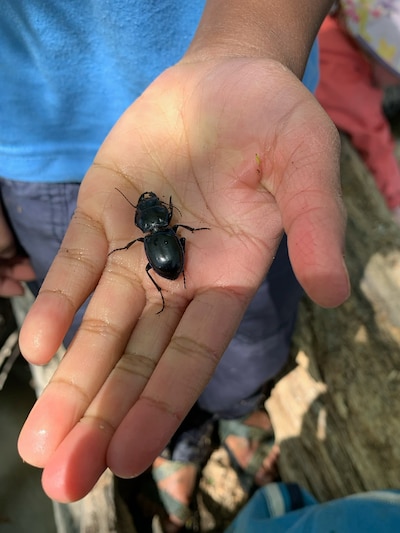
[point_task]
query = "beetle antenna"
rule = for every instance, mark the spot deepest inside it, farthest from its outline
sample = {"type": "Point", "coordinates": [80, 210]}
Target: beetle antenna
{"type": "Point", "coordinates": [127, 199]}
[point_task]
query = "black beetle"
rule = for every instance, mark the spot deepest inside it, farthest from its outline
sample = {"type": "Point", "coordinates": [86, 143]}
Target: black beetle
{"type": "Point", "coordinates": [165, 250]}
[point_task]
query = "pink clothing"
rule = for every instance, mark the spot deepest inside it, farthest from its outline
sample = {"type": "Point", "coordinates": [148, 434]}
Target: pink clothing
{"type": "Point", "coordinates": [349, 96]}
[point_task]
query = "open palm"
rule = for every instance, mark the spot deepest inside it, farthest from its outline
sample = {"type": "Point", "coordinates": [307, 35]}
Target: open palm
{"type": "Point", "coordinates": [242, 148]}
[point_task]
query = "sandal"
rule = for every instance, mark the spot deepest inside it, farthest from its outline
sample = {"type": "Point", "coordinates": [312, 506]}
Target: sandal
{"type": "Point", "coordinates": [177, 472]}
{"type": "Point", "coordinates": [260, 444]}
{"type": "Point", "coordinates": [177, 515]}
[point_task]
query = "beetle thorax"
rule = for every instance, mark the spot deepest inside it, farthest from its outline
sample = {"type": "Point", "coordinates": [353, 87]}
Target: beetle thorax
{"type": "Point", "coordinates": [152, 219]}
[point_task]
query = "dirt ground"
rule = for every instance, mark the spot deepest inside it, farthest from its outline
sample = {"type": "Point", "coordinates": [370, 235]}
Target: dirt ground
{"type": "Point", "coordinates": [220, 494]}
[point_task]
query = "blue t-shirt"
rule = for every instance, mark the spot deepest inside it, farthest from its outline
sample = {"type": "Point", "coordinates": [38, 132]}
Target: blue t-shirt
{"type": "Point", "coordinates": [68, 70]}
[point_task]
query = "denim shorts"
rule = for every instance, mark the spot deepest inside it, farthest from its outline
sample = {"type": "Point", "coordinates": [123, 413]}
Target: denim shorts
{"type": "Point", "coordinates": [39, 214]}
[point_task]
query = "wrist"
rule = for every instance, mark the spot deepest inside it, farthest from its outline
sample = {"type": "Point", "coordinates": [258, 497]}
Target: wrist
{"type": "Point", "coordinates": [276, 29]}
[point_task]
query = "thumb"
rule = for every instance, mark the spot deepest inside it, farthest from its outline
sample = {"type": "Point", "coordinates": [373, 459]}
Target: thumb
{"type": "Point", "coordinates": [314, 219]}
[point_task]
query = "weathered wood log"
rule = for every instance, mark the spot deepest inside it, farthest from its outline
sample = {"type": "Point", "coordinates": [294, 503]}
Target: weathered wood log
{"type": "Point", "coordinates": [337, 412]}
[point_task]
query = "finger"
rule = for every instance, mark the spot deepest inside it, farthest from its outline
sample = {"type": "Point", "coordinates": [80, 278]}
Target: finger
{"type": "Point", "coordinates": [180, 376]}
{"type": "Point", "coordinates": [18, 268]}
{"type": "Point", "coordinates": [12, 273]}
{"type": "Point", "coordinates": [316, 250]}
{"type": "Point", "coordinates": [132, 372]}
{"type": "Point", "coordinates": [94, 351]}
{"type": "Point", "coordinates": [71, 278]}
{"type": "Point", "coordinates": [62, 477]}
{"type": "Point", "coordinates": [314, 219]}
{"type": "Point", "coordinates": [7, 242]}
{"type": "Point", "coordinates": [10, 287]}
{"type": "Point", "coordinates": [21, 269]}
{"type": "Point", "coordinates": [78, 462]}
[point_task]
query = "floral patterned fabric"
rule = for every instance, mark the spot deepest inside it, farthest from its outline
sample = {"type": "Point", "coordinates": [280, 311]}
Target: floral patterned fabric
{"type": "Point", "coordinates": [376, 25]}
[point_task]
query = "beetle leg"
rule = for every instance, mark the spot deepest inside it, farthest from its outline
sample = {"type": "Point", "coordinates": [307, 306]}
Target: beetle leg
{"type": "Point", "coordinates": [140, 239]}
{"type": "Point", "coordinates": [171, 207]}
{"type": "Point", "coordinates": [149, 267]}
{"type": "Point", "coordinates": [189, 228]}
{"type": "Point", "coordinates": [182, 240]}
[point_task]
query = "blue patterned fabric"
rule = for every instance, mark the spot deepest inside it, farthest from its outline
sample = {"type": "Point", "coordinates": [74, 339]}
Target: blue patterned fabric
{"type": "Point", "coordinates": [287, 508]}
